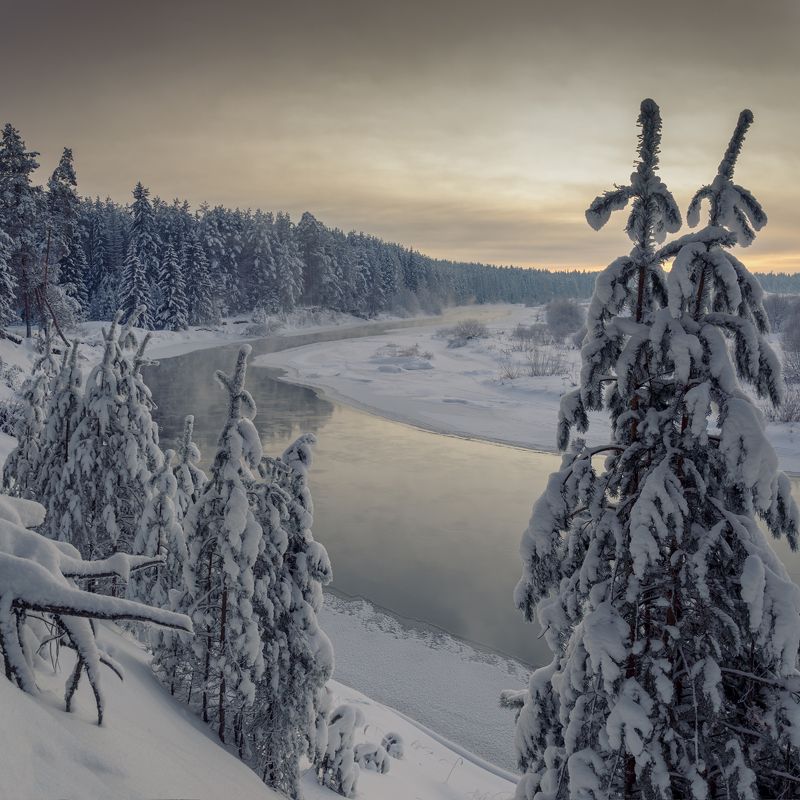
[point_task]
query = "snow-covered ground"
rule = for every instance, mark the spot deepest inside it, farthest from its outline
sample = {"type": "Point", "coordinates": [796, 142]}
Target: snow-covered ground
{"type": "Point", "coordinates": [481, 390]}
{"type": "Point", "coordinates": [152, 746]}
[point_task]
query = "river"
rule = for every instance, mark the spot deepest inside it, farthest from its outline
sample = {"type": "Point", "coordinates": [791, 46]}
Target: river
{"type": "Point", "coordinates": [424, 525]}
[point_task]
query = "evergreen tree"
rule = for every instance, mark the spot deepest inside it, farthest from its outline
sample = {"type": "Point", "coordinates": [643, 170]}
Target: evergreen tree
{"type": "Point", "coordinates": [190, 479]}
{"type": "Point", "coordinates": [8, 284]}
{"type": "Point", "coordinates": [61, 417]}
{"type": "Point", "coordinates": [145, 243]}
{"type": "Point", "coordinates": [288, 263]}
{"type": "Point", "coordinates": [72, 277]}
{"type": "Point", "coordinates": [18, 215]}
{"type": "Point", "coordinates": [113, 452]}
{"type": "Point", "coordinates": [134, 290]}
{"type": "Point", "coordinates": [673, 625]}
{"type": "Point", "coordinates": [201, 309]}
{"type": "Point", "coordinates": [223, 540]}
{"type": "Point", "coordinates": [263, 280]}
{"type": "Point", "coordinates": [23, 463]}
{"type": "Point", "coordinates": [62, 206]}
{"type": "Point", "coordinates": [298, 657]}
{"type": "Point", "coordinates": [172, 314]}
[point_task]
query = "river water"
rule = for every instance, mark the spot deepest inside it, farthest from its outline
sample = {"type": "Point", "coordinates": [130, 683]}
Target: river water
{"type": "Point", "coordinates": [424, 525]}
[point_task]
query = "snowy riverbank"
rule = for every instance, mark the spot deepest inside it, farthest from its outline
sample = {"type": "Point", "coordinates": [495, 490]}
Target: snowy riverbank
{"type": "Point", "coordinates": [483, 389]}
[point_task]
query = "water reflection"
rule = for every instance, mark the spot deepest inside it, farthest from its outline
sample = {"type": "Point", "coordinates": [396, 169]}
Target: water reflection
{"type": "Point", "coordinates": [425, 525]}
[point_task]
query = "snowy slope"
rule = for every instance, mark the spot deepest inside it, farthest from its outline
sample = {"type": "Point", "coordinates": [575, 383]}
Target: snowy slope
{"type": "Point", "coordinates": [149, 745]}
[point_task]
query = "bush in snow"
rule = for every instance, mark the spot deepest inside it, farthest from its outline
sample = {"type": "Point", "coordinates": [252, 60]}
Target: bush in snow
{"type": "Point", "coordinates": [465, 331]}
{"type": "Point", "coordinates": [392, 743]}
{"type": "Point", "coordinates": [674, 627]}
{"type": "Point", "coordinates": [41, 601]}
{"type": "Point", "coordinates": [338, 769]}
{"type": "Point", "coordinates": [564, 316]}
{"type": "Point", "coordinates": [372, 757]}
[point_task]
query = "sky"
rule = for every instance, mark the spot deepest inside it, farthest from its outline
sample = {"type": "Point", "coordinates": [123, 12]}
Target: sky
{"type": "Point", "coordinates": [476, 131]}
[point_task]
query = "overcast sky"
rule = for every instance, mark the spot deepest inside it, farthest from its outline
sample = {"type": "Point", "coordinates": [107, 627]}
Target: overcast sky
{"type": "Point", "coordinates": [471, 130]}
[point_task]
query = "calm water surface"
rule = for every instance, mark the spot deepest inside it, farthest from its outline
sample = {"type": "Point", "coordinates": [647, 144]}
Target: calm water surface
{"type": "Point", "coordinates": [422, 524]}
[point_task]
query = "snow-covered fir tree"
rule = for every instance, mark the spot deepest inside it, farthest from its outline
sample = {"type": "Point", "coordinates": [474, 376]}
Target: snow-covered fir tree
{"type": "Point", "coordinates": [113, 452]}
{"type": "Point", "coordinates": [190, 479]}
{"type": "Point", "coordinates": [72, 278]}
{"type": "Point", "coordinates": [134, 288]}
{"type": "Point", "coordinates": [145, 243]}
{"type": "Point", "coordinates": [674, 627]}
{"type": "Point", "coordinates": [8, 284]}
{"type": "Point", "coordinates": [201, 308]}
{"type": "Point", "coordinates": [263, 280]}
{"type": "Point", "coordinates": [223, 539]}
{"type": "Point", "coordinates": [18, 217]}
{"type": "Point", "coordinates": [23, 464]}
{"type": "Point", "coordinates": [61, 417]}
{"type": "Point", "coordinates": [172, 313]}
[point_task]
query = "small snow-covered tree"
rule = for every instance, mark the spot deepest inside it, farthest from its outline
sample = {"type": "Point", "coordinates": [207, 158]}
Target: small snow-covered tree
{"type": "Point", "coordinates": [338, 770]}
{"type": "Point", "coordinates": [61, 418]}
{"type": "Point", "coordinates": [190, 479]}
{"type": "Point", "coordinates": [42, 601]}
{"type": "Point", "coordinates": [223, 539]}
{"type": "Point", "coordinates": [23, 463]}
{"type": "Point", "coordinates": [298, 654]}
{"type": "Point", "coordinates": [674, 626]}
{"type": "Point", "coordinates": [172, 313]}
{"type": "Point", "coordinates": [113, 451]}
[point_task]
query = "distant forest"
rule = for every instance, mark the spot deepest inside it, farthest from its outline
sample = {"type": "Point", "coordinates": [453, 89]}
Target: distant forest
{"type": "Point", "coordinates": [71, 258]}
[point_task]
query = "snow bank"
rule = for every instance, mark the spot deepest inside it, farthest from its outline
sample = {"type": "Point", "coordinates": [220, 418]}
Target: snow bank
{"type": "Point", "coordinates": [464, 391]}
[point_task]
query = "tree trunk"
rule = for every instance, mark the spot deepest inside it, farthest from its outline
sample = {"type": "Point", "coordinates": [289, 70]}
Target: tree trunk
{"type": "Point", "coordinates": [223, 617]}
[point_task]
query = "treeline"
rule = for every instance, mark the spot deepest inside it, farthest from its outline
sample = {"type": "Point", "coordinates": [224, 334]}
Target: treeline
{"type": "Point", "coordinates": [70, 258]}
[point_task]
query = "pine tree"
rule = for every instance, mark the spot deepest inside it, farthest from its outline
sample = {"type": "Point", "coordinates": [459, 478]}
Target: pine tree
{"type": "Point", "coordinates": [72, 277]}
{"type": "Point", "coordinates": [288, 263]}
{"type": "Point", "coordinates": [145, 243]}
{"type": "Point", "coordinates": [134, 290]}
{"type": "Point", "coordinates": [172, 313]}
{"type": "Point", "coordinates": [223, 540]}
{"type": "Point", "coordinates": [263, 279]}
{"type": "Point", "coordinates": [23, 463]}
{"type": "Point", "coordinates": [201, 309]}
{"type": "Point", "coordinates": [674, 627]}
{"type": "Point", "coordinates": [338, 770]}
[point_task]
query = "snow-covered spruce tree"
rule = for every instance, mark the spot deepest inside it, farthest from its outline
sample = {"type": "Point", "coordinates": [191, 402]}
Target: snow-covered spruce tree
{"type": "Point", "coordinates": [190, 479]}
{"type": "Point", "coordinates": [113, 451]}
{"type": "Point", "coordinates": [61, 418]}
{"type": "Point", "coordinates": [8, 284]}
{"type": "Point", "coordinates": [223, 539]}
{"type": "Point", "coordinates": [298, 656]}
{"type": "Point", "coordinates": [201, 308]}
{"type": "Point", "coordinates": [21, 470]}
{"type": "Point", "coordinates": [674, 626]}
{"type": "Point", "coordinates": [42, 601]}
{"type": "Point", "coordinates": [134, 288]}
{"type": "Point", "coordinates": [172, 313]}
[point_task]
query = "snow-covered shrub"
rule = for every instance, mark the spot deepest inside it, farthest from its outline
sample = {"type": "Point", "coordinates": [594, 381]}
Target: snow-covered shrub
{"type": "Point", "coordinates": [564, 316]}
{"type": "Point", "coordinates": [263, 323]}
{"type": "Point", "coordinates": [393, 744]}
{"type": "Point", "coordinates": [544, 362]}
{"type": "Point", "coordinates": [789, 409]}
{"type": "Point", "coordinates": [535, 334]}
{"type": "Point", "coordinates": [465, 331]}
{"type": "Point", "coordinates": [338, 769]}
{"type": "Point", "coordinates": [372, 757]}
{"type": "Point", "coordinates": [41, 601]}
{"type": "Point", "coordinates": [674, 626]}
